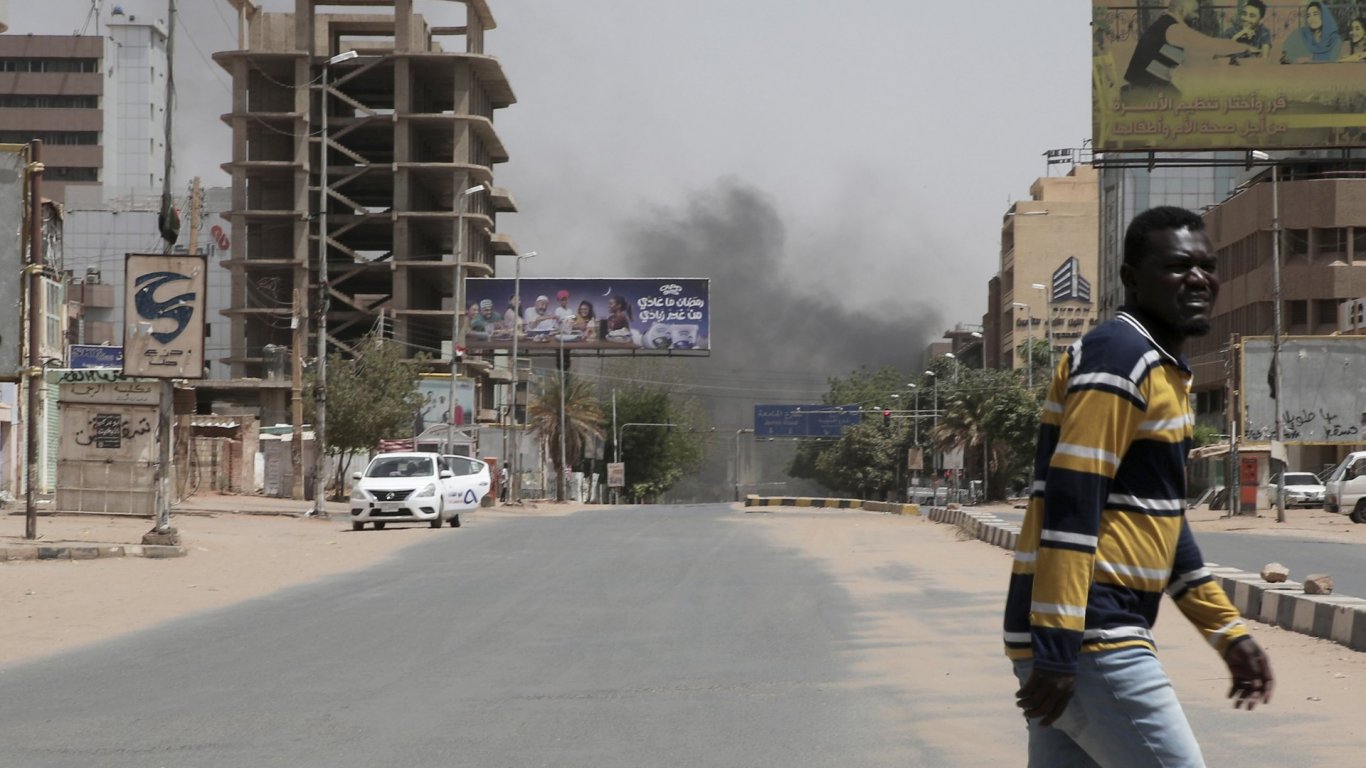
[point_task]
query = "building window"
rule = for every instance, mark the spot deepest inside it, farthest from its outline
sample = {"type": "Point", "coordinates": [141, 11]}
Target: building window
{"type": "Point", "coordinates": [40, 101]}
{"type": "Point", "coordinates": [51, 138]}
{"type": "Point", "coordinates": [58, 173]}
{"type": "Point", "coordinates": [49, 65]}
{"type": "Point", "coordinates": [1331, 243]}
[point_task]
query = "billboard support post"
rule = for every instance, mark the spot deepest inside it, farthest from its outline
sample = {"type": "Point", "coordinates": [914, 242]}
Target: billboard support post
{"type": "Point", "coordinates": [515, 493]}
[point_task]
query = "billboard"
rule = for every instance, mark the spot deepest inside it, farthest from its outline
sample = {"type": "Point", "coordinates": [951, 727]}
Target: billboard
{"type": "Point", "coordinates": [435, 389]}
{"type": "Point", "coordinates": [12, 179]}
{"type": "Point", "coordinates": [804, 420]}
{"type": "Point", "coordinates": [1227, 77]}
{"type": "Point", "coordinates": [163, 314]}
{"type": "Point", "coordinates": [651, 315]}
{"type": "Point", "coordinates": [1323, 389]}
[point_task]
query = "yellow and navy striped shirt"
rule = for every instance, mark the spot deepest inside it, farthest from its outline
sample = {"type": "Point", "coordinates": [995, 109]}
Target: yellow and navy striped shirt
{"type": "Point", "coordinates": [1106, 533]}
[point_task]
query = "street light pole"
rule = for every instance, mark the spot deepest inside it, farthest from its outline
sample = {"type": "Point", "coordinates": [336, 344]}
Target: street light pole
{"type": "Point", "coordinates": [1029, 340]}
{"type": "Point", "coordinates": [515, 492]}
{"type": "Point", "coordinates": [564, 462]}
{"type": "Point", "coordinates": [320, 385]}
{"type": "Point", "coordinates": [458, 329]}
{"type": "Point", "coordinates": [934, 423]}
{"type": "Point", "coordinates": [1278, 426]}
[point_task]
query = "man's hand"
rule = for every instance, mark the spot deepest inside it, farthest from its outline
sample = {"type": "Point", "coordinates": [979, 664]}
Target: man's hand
{"type": "Point", "coordinates": [1251, 671]}
{"type": "Point", "coordinates": [1045, 694]}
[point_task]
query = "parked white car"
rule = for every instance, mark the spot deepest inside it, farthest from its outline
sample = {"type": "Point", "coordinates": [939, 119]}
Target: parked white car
{"type": "Point", "coordinates": [417, 487]}
{"type": "Point", "coordinates": [1345, 488]}
{"type": "Point", "coordinates": [1303, 489]}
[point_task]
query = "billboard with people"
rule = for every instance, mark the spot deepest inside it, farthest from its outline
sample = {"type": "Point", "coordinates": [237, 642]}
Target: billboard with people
{"type": "Point", "coordinates": [640, 315]}
{"type": "Point", "coordinates": [1190, 75]}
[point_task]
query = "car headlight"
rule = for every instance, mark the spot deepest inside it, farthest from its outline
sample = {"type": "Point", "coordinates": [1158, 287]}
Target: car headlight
{"type": "Point", "coordinates": [359, 494]}
{"type": "Point", "coordinates": [428, 490]}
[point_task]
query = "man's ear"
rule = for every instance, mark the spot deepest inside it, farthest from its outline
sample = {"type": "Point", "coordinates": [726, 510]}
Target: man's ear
{"type": "Point", "coordinates": [1126, 275]}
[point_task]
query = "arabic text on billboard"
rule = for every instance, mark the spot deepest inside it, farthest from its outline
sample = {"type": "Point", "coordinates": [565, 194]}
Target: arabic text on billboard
{"type": "Point", "coordinates": [659, 315]}
{"type": "Point", "coordinates": [1201, 77]}
{"type": "Point", "coordinates": [803, 420]}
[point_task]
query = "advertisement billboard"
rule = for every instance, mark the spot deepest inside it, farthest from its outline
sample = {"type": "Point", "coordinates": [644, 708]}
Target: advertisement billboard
{"type": "Point", "coordinates": [641, 315]}
{"type": "Point", "coordinates": [1237, 76]}
{"type": "Point", "coordinates": [804, 420]}
{"type": "Point", "coordinates": [435, 389]}
{"type": "Point", "coordinates": [1323, 389]}
{"type": "Point", "coordinates": [163, 307]}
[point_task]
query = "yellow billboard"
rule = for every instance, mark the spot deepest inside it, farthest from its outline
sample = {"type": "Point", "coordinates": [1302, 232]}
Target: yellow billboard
{"type": "Point", "coordinates": [1192, 75]}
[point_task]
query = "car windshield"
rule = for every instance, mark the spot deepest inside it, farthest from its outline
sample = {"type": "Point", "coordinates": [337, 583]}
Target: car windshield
{"type": "Point", "coordinates": [400, 466]}
{"type": "Point", "coordinates": [1300, 478]}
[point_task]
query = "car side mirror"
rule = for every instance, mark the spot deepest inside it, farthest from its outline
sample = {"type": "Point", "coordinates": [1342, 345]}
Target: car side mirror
{"type": "Point", "coordinates": [355, 475]}
{"type": "Point", "coordinates": [445, 473]}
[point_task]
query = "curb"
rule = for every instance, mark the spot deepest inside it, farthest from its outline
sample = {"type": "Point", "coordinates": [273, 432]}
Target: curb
{"type": "Point", "coordinates": [1339, 618]}
{"type": "Point", "coordinates": [90, 552]}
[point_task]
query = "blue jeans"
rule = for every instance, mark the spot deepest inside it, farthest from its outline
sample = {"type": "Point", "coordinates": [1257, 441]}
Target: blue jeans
{"type": "Point", "coordinates": [1123, 714]}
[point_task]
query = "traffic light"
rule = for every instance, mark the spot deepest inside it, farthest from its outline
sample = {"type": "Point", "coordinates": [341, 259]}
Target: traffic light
{"type": "Point", "coordinates": [886, 417]}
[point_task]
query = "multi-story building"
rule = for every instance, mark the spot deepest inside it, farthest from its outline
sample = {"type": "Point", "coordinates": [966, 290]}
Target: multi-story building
{"type": "Point", "coordinates": [1128, 186]}
{"type": "Point", "coordinates": [1322, 211]}
{"type": "Point", "coordinates": [404, 130]}
{"type": "Point", "coordinates": [98, 103]}
{"type": "Point", "coordinates": [1042, 290]}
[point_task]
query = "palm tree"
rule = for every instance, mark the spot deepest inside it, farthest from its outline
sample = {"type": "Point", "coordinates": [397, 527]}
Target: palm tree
{"type": "Point", "coordinates": [582, 419]}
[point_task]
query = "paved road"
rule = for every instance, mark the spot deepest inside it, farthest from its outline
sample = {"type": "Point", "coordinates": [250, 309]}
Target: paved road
{"type": "Point", "coordinates": [617, 638]}
{"type": "Point", "coordinates": [1344, 560]}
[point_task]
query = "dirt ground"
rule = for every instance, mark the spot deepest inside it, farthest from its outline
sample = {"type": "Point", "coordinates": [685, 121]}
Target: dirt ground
{"type": "Point", "coordinates": [56, 605]}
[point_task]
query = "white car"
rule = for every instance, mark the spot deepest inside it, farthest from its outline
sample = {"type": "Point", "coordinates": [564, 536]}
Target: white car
{"type": "Point", "coordinates": [417, 487]}
{"type": "Point", "coordinates": [1302, 489]}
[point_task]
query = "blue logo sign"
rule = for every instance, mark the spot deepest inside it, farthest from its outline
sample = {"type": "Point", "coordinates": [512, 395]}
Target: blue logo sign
{"type": "Point", "coordinates": [178, 308]}
{"type": "Point", "coordinates": [93, 356]}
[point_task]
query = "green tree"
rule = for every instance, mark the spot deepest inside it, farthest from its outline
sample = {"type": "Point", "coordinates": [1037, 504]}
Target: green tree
{"type": "Point", "coordinates": [582, 418]}
{"type": "Point", "coordinates": [656, 457]}
{"type": "Point", "coordinates": [370, 396]}
{"type": "Point", "coordinates": [866, 459]}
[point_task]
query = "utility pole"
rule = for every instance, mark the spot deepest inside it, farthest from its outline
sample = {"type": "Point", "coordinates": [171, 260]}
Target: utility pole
{"type": "Point", "coordinates": [34, 373]}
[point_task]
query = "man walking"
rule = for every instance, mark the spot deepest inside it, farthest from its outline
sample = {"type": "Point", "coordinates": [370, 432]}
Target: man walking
{"type": "Point", "coordinates": [1106, 533]}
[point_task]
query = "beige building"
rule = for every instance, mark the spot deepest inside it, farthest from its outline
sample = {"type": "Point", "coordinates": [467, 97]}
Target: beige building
{"type": "Point", "coordinates": [409, 129]}
{"type": "Point", "coordinates": [1047, 267]}
{"type": "Point", "coordinates": [1323, 218]}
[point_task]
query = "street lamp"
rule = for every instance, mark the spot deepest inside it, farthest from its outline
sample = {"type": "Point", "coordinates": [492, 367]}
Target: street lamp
{"type": "Point", "coordinates": [458, 329]}
{"type": "Point", "coordinates": [320, 385]}
{"type": "Point", "coordinates": [564, 463]}
{"type": "Point", "coordinates": [934, 423]}
{"type": "Point", "coordinates": [954, 358]}
{"type": "Point", "coordinates": [1278, 427]}
{"type": "Point", "coordinates": [1048, 321]}
{"type": "Point", "coordinates": [1029, 339]}
{"type": "Point", "coordinates": [986, 451]}
{"type": "Point", "coordinates": [515, 492]}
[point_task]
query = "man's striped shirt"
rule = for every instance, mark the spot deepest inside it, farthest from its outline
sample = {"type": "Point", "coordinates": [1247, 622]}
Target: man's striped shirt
{"type": "Point", "coordinates": [1106, 533]}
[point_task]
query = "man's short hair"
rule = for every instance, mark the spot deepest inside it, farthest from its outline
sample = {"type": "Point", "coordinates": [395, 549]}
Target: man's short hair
{"type": "Point", "coordinates": [1155, 220]}
{"type": "Point", "coordinates": [1259, 5]}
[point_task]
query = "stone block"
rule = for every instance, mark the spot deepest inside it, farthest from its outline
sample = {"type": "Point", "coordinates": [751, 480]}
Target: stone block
{"type": "Point", "coordinates": [1318, 584]}
{"type": "Point", "coordinates": [1275, 573]}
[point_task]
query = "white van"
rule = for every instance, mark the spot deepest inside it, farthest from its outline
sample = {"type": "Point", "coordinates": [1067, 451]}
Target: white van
{"type": "Point", "coordinates": [1345, 488]}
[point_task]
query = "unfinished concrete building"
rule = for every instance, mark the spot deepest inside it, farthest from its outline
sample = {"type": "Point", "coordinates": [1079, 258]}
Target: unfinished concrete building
{"type": "Point", "coordinates": [407, 124]}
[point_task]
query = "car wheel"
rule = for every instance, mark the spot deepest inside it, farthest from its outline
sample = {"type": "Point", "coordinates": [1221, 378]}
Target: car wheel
{"type": "Point", "coordinates": [379, 526]}
{"type": "Point", "coordinates": [1359, 513]}
{"type": "Point", "coordinates": [455, 521]}
{"type": "Point", "coordinates": [440, 514]}
{"type": "Point", "coordinates": [357, 525]}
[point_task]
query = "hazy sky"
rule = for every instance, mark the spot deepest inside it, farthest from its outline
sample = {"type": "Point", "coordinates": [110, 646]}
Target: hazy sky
{"type": "Point", "coordinates": [879, 141]}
